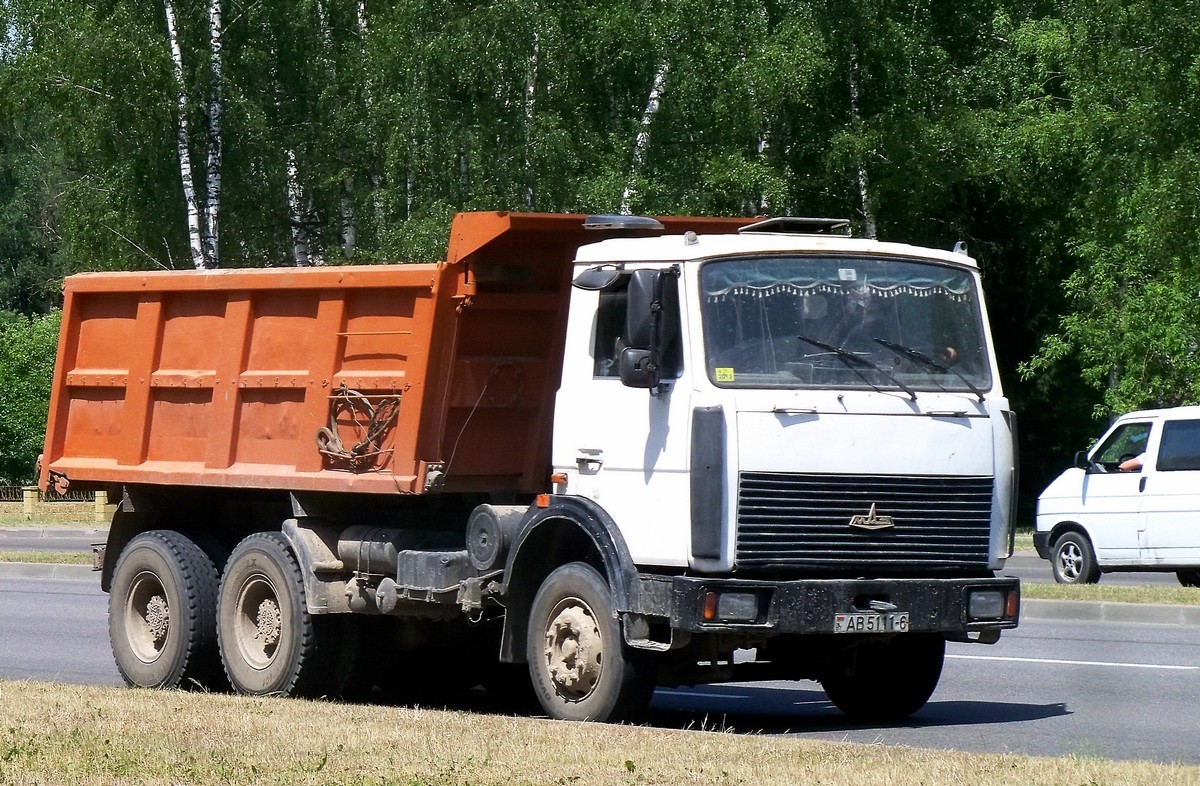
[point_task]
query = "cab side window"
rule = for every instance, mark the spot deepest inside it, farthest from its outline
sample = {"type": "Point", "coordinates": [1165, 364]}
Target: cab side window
{"type": "Point", "coordinates": [610, 327]}
{"type": "Point", "coordinates": [1126, 442]}
{"type": "Point", "coordinates": [1180, 448]}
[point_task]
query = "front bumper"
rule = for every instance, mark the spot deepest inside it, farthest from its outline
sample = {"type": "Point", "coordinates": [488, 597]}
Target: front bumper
{"type": "Point", "coordinates": [809, 606]}
{"type": "Point", "coordinates": [1041, 542]}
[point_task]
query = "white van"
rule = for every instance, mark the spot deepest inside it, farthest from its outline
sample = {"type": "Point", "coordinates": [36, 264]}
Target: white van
{"type": "Point", "coordinates": [1132, 502]}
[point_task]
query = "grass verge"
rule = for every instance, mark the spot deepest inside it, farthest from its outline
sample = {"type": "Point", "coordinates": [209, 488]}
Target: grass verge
{"type": "Point", "coordinates": [51, 734]}
{"type": "Point", "coordinates": [21, 521]}
{"type": "Point", "coordinates": [1119, 593]}
{"type": "Point", "coordinates": [48, 557]}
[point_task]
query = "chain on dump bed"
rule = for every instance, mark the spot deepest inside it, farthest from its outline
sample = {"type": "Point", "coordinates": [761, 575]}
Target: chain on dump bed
{"type": "Point", "coordinates": [370, 422]}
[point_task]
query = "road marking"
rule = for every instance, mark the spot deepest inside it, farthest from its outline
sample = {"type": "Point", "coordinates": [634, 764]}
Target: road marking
{"type": "Point", "coordinates": [1057, 662]}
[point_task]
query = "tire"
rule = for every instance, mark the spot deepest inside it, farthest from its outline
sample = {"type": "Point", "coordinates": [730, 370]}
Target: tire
{"type": "Point", "coordinates": [162, 613]}
{"type": "Point", "coordinates": [579, 665]}
{"type": "Point", "coordinates": [270, 644]}
{"type": "Point", "coordinates": [1188, 577]}
{"type": "Point", "coordinates": [888, 679]}
{"type": "Point", "coordinates": [1073, 560]}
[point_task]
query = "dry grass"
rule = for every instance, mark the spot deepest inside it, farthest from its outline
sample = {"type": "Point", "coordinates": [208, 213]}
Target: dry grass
{"type": "Point", "coordinates": [52, 523]}
{"type": "Point", "coordinates": [1120, 593]}
{"type": "Point", "coordinates": [51, 557]}
{"type": "Point", "coordinates": [52, 734]}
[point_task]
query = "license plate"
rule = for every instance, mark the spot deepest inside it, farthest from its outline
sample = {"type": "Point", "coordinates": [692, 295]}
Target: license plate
{"type": "Point", "coordinates": [890, 622]}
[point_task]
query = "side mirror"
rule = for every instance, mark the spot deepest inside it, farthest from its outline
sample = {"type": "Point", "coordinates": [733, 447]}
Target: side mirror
{"type": "Point", "coordinates": [1081, 462]}
{"type": "Point", "coordinates": [639, 368]}
{"type": "Point", "coordinates": [652, 329]}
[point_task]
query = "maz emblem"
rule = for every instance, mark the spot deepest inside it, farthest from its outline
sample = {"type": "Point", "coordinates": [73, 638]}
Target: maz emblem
{"type": "Point", "coordinates": [872, 520]}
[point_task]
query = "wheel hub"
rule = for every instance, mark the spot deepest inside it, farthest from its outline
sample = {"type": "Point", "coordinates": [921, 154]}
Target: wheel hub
{"type": "Point", "coordinates": [574, 652]}
{"type": "Point", "coordinates": [158, 618]}
{"type": "Point", "coordinates": [1069, 559]}
{"type": "Point", "coordinates": [270, 622]}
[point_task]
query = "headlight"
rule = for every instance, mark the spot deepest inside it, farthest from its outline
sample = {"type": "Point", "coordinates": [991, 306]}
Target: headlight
{"type": "Point", "coordinates": [730, 607]}
{"type": "Point", "coordinates": [986, 605]}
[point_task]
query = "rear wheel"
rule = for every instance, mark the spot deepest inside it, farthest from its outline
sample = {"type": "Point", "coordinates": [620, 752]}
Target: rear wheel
{"type": "Point", "coordinates": [270, 644]}
{"type": "Point", "coordinates": [1074, 562]}
{"type": "Point", "coordinates": [162, 613]}
{"type": "Point", "coordinates": [580, 667]}
{"type": "Point", "coordinates": [887, 679]}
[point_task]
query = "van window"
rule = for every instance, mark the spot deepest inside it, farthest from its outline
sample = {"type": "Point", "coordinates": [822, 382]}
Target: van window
{"type": "Point", "coordinates": [1180, 449]}
{"type": "Point", "coordinates": [1127, 441]}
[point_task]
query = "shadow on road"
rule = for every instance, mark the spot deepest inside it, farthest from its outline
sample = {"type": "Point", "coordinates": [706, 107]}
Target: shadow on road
{"type": "Point", "coordinates": [785, 710]}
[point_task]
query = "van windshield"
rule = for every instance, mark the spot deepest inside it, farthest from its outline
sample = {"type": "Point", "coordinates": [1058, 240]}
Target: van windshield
{"type": "Point", "coordinates": [843, 322]}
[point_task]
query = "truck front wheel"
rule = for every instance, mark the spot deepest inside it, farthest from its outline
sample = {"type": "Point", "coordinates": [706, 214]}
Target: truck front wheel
{"type": "Point", "coordinates": [270, 644]}
{"type": "Point", "coordinates": [579, 664]}
{"type": "Point", "coordinates": [887, 679]}
{"type": "Point", "coordinates": [162, 613]}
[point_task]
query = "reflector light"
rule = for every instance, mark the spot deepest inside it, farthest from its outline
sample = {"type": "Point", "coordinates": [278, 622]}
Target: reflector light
{"type": "Point", "coordinates": [1012, 605]}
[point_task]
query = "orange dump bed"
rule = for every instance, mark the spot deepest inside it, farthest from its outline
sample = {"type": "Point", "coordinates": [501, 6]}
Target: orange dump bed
{"type": "Point", "coordinates": [379, 379]}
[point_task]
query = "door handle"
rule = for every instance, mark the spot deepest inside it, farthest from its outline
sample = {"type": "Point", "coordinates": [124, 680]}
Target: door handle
{"type": "Point", "coordinates": [1142, 484]}
{"type": "Point", "coordinates": [589, 460]}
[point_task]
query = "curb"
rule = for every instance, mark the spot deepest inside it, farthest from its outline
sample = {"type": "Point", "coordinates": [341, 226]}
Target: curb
{"type": "Point", "coordinates": [42, 570]}
{"type": "Point", "coordinates": [56, 533]}
{"type": "Point", "coordinates": [1109, 611]}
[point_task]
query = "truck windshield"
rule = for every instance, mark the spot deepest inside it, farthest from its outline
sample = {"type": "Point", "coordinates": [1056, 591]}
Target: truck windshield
{"type": "Point", "coordinates": [843, 322]}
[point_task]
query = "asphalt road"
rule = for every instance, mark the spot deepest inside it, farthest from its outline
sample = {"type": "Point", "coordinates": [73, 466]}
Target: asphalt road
{"type": "Point", "coordinates": [1111, 690]}
{"type": "Point", "coordinates": [1028, 566]}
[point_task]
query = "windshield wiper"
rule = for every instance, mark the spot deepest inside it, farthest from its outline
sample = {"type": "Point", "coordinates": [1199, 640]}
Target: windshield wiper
{"type": "Point", "coordinates": [852, 360]}
{"type": "Point", "coordinates": [922, 358]}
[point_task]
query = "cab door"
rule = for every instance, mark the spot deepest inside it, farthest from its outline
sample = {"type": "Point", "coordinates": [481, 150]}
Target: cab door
{"type": "Point", "coordinates": [625, 448]}
{"type": "Point", "coordinates": [1171, 497]}
{"type": "Point", "coordinates": [1110, 500]}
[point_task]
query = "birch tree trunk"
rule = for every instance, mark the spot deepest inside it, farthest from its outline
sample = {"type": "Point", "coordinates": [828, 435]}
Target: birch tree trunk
{"type": "Point", "coordinates": [642, 143]}
{"type": "Point", "coordinates": [216, 107]}
{"type": "Point", "coordinates": [295, 200]}
{"type": "Point", "coordinates": [302, 252]}
{"type": "Point", "coordinates": [864, 186]}
{"type": "Point", "coordinates": [345, 203]}
{"type": "Point", "coordinates": [191, 206]}
{"type": "Point", "coordinates": [530, 107]}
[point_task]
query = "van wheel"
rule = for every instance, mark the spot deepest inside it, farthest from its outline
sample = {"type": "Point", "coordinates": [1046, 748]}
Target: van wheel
{"type": "Point", "coordinates": [1189, 577]}
{"type": "Point", "coordinates": [270, 644]}
{"type": "Point", "coordinates": [162, 613]}
{"type": "Point", "coordinates": [579, 664]}
{"type": "Point", "coordinates": [1074, 562]}
{"type": "Point", "coordinates": [888, 679]}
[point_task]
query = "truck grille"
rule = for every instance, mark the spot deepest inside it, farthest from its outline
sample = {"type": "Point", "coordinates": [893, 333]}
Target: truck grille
{"type": "Point", "coordinates": [803, 521]}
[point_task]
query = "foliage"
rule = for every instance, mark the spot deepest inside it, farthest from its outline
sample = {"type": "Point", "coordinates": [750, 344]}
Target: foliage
{"type": "Point", "coordinates": [27, 347]}
{"type": "Point", "coordinates": [1132, 322]}
{"type": "Point", "coordinates": [1058, 138]}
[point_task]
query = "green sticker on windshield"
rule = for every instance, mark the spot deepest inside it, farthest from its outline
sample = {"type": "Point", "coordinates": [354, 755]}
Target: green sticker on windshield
{"type": "Point", "coordinates": [723, 374]}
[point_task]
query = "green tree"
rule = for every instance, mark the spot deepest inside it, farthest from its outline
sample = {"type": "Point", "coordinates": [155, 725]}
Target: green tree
{"type": "Point", "coordinates": [27, 347]}
{"type": "Point", "coordinates": [1131, 84]}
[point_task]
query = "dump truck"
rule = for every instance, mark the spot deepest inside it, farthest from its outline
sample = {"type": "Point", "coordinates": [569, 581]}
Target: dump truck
{"type": "Point", "coordinates": [579, 458]}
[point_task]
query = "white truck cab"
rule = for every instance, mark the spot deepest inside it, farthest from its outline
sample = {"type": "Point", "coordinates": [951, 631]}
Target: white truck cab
{"type": "Point", "coordinates": [855, 375]}
{"type": "Point", "coordinates": [1131, 502]}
